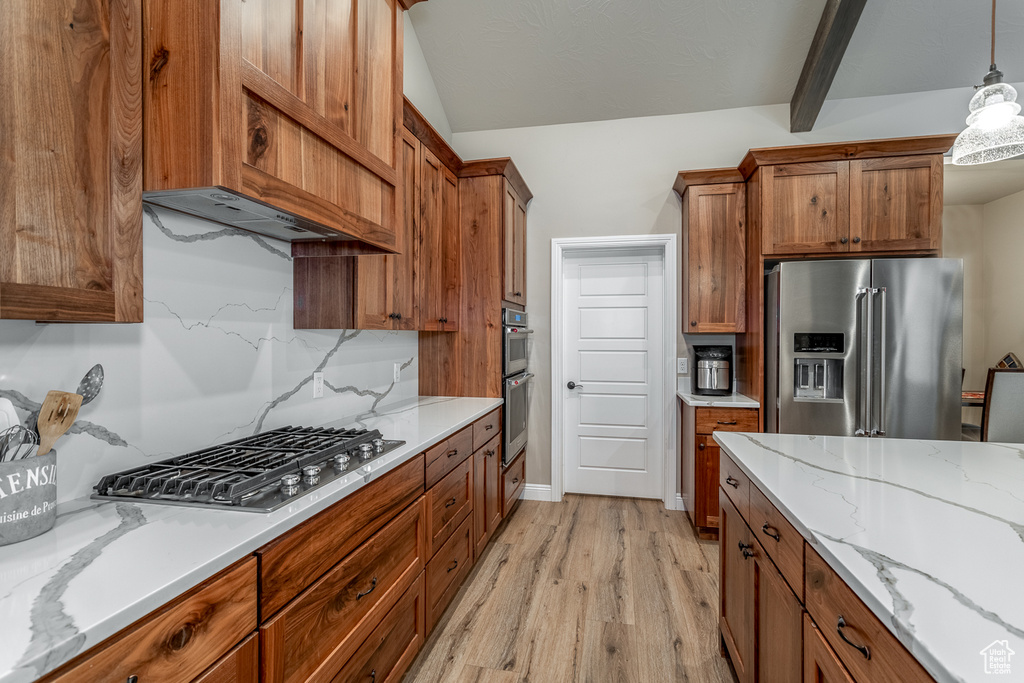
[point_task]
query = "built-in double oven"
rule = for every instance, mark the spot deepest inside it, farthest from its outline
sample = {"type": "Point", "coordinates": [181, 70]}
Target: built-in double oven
{"type": "Point", "coordinates": [516, 377]}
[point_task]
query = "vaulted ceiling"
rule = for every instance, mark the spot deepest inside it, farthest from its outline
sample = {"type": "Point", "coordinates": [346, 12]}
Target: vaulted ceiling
{"type": "Point", "coordinates": [511, 63]}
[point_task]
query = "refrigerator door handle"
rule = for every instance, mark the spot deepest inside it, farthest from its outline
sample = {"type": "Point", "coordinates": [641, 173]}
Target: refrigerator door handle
{"type": "Point", "coordinates": [881, 369]}
{"type": "Point", "coordinates": [864, 426]}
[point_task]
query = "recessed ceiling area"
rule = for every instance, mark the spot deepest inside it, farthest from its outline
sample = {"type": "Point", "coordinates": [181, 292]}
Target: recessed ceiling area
{"type": "Point", "coordinates": [982, 184]}
{"type": "Point", "coordinates": [513, 63]}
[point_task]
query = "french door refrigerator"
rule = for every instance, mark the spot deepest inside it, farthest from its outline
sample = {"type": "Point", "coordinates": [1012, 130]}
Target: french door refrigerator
{"type": "Point", "coordinates": [864, 348]}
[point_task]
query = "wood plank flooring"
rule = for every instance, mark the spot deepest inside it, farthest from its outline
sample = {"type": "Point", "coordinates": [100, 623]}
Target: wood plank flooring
{"type": "Point", "coordinates": [588, 590]}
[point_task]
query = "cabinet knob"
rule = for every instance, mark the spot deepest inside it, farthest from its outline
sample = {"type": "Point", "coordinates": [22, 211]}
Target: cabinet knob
{"type": "Point", "coordinates": [518, 293]}
{"type": "Point", "coordinates": [700, 446]}
{"type": "Point", "coordinates": [856, 240]}
{"type": "Point", "coordinates": [693, 323]}
{"type": "Point", "coordinates": [133, 679]}
{"type": "Point", "coordinates": [843, 240]}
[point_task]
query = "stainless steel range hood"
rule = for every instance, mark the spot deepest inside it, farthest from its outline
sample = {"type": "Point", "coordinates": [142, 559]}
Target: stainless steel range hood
{"type": "Point", "coordinates": [229, 208]}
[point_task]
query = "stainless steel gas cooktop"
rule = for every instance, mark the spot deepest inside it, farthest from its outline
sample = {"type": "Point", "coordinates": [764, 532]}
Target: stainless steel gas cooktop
{"type": "Point", "coordinates": [256, 474]}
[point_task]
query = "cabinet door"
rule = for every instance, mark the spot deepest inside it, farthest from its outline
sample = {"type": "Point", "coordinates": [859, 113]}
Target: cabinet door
{"type": "Point", "coordinates": [404, 270]}
{"type": "Point", "coordinates": [896, 203]}
{"type": "Point", "coordinates": [779, 625]}
{"type": "Point", "coordinates": [806, 208]}
{"type": "Point", "coordinates": [714, 217]}
{"type": "Point", "coordinates": [479, 502]}
{"type": "Point", "coordinates": [492, 501]}
{"type": "Point", "coordinates": [519, 255]}
{"type": "Point", "coordinates": [821, 665]}
{"type": "Point", "coordinates": [451, 255]}
{"type": "Point", "coordinates": [736, 616]}
{"type": "Point", "coordinates": [71, 161]}
{"type": "Point", "coordinates": [510, 201]}
{"type": "Point", "coordinates": [706, 482]}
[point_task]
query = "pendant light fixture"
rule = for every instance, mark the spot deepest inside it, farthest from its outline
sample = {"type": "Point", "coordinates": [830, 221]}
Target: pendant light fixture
{"type": "Point", "coordinates": [995, 129]}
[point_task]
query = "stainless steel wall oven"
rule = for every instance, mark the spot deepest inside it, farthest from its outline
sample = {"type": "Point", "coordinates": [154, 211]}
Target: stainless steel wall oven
{"type": "Point", "coordinates": [516, 380]}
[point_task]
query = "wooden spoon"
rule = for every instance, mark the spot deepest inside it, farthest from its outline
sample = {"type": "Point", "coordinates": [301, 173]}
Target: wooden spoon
{"type": "Point", "coordinates": [55, 417]}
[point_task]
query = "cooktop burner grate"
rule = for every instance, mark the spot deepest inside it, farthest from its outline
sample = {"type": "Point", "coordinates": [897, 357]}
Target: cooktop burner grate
{"type": "Point", "coordinates": [260, 472]}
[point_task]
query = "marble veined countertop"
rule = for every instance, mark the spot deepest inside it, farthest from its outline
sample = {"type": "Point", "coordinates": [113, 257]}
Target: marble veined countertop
{"type": "Point", "coordinates": [105, 565]}
{"type": "Point", "coordinates": [929, 534]}
{"type": "Point", "coordinates": [730, 401]}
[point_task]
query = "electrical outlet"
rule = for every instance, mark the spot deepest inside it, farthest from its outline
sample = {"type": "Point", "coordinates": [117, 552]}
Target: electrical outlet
{"type": "Point", "coordinates": [682, 366]}
{"type": "Point", "coordinates": [318, 385]}
{"type": "Point", "coordinates": [398, 373]}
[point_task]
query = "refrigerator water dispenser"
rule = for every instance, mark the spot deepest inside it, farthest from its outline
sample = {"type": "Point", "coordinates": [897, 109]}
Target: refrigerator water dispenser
{"type": "Point", "coordinates": [818, 379]}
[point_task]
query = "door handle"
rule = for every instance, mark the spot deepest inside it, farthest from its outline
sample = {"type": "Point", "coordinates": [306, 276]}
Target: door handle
{"type": "Point", "coordinates": [881, 369]}
{"type": "Point", "coordinates": [573, 385]}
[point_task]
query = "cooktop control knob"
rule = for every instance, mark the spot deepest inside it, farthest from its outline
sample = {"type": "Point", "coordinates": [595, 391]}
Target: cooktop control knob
{"type": "Point", "coordinates": [378, 445]}
{"type": "Point", "coordinates": [341, 461]}
{"type": "Point", "coordinates": [365, 450]}
{"type": "Point", "coordinates": [310, 471]}
{"type": "Point", "coordinates": [290, 480]}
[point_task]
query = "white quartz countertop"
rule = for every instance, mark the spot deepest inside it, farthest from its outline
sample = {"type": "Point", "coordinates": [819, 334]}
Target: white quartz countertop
{"type": "Point", "coordinates": [730, 401]}
{"type": "Point", "coordinates": [929, 534]}
{"type": "Point", "coordinates": [105, 565]}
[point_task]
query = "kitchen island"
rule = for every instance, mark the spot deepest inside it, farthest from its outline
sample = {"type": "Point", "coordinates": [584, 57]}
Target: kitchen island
{"type": "Point", "coordinates": [929, 535]}
{"type": "Point", "coordinates": [106, 565]}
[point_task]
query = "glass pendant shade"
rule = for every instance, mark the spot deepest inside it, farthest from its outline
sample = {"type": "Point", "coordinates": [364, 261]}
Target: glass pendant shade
{"type": "Point", "coordinates": [995, 129]}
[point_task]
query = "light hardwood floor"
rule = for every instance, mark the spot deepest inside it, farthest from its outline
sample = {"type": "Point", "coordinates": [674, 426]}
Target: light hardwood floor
{"type": "Point", "coordinates": [591, 589]}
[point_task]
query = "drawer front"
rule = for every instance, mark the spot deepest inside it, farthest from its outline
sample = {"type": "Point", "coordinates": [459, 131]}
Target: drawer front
{"type": "Point", "coordinates": [449, 454]}
{"type": "Point", "coordinates": [241, 665]}
{"type": "Point", "coordinates": [827, 599]}
{"type": "Point", "coordinates": [780, 540]}
{"type": "Point", "coordinates": [513, 483]}
{"type": "Point", "coordinates": [486, 428]}
{"type": "Point", "coordinates": [292, 562]}
{"type": "Point", "coordinates": [449, 502]}
{"type": "Point", "coordinates": [318, 631]}
{"type": "Point", "coordinates": [447, 570]}
{"type": "Point", "coordinates": [180, 640]}
{"type": "Point", "coordinates": [387, 653]}
{"type": "Point", "coordinates": [710, 420]}
{"type": "Point", "coordinates": [735, 484]}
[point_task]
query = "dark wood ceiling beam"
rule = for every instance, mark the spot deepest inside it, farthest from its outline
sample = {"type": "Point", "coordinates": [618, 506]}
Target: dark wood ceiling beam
{"type": "Point", "coordinates": [838, 21]}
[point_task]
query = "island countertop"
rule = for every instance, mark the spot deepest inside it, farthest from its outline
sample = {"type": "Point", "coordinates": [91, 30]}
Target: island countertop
{"type": "Point", "coordinates": [929, 534]}
{"type": "Point", "coordinates": [105, 564]}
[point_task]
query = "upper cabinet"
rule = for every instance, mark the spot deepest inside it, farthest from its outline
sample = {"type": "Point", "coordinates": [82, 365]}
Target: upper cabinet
{"type": "Point", "coordinates": [71, 161]}
{"type": "Point", "coordinates": [440, 246]}
{"type": "Point", "coordinates": [514, 235]}
{"type": "Point", "coordinates": [878, 196]}
{"type": "Point", "coordinates": [278, 116]}
{"type": "Point", "coordinates": [714, 248]}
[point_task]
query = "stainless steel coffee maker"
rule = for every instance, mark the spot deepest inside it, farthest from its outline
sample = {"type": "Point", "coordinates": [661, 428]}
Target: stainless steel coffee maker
{"type": "Point", "coordinates": [712, 374]}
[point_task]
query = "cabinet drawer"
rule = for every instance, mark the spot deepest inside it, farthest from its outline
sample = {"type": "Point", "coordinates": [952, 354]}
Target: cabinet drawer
{"type": "Point", "coordinates": [290, 563]}
{"type": "Point", "coordinates": [780, 540]}
{"type": "Point", "coordinates": [710, 420]}
{"type": "Point", "coordinates": [485, 428]}
{"type": "Point", "coordinates": [735, 484]}
{"type": "Point", "coordinates": [241, 665]}
{"type": "Point", "coordinates": [180, 640]}
{"type": "Point", "coordinates": [512, 484]}
{"type": "Point", "coordinates": [391, 648]}
{"type": "Point", "coordinates": [828, 599]}
{"type": "Point", "coordinates": [447, 455]}
{"type": "Point", "coordinates": [318, 631]}
{"type": "Point", "coordinates": [448, 503]}
{"type": "Point", "coordinates": [446, 571]}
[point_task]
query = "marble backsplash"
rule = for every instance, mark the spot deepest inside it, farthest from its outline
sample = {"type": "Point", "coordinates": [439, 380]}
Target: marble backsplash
{"type": "Point", "coordinates": [216, 358]}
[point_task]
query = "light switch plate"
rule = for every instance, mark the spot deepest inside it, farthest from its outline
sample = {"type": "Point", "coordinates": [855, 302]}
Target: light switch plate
{"type": "Point", "coordinates": [682, 366]}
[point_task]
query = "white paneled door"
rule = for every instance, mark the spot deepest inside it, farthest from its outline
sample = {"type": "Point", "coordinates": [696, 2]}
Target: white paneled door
{"type": "Point", "coordinates": [613, 373]}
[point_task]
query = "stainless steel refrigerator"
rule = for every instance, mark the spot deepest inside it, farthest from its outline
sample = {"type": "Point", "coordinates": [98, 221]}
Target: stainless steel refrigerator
{"type": "Point", "coordinates": [865, 348]}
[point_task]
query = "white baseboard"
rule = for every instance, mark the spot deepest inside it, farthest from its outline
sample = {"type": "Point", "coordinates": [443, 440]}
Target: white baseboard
{"type": "Point", "coordinates": [540, 492]}
{"type": "Point", "coordinates": [679, 503]}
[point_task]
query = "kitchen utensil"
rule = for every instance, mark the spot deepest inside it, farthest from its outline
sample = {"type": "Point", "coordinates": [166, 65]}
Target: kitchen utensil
{"type": "Point", "coordinates": [55, 417]}
{"type": "Point", "coordinates": [12, 441]}
{"type": "Point", "coordinates": [8, 416]}
{"type": "Point", "coordinates": [91, 384]}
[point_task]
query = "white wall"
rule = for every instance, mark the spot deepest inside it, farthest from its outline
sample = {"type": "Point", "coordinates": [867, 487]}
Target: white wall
{"type": "Point", "coordinates": [1004, 277]}
{"type": "Point", "coordinates": [419, 84]}
{"type": "Point", "coordinates": [615, 177]}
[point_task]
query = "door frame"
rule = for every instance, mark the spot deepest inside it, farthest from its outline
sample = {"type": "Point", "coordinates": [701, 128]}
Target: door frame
{"type": "Point", "coordinates": [608, 246]}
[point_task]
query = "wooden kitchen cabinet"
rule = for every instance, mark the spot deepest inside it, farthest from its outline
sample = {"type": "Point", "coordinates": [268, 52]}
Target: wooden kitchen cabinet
{"type": "Point", "coordinates": [71, 160]}
{"type": "Point", "coordinates": [779, 624]}
{"type": "Point", "coordinates": [296, 105]}
{"type": "Point", "coordinates": [513, 481]}
{"type": "Point", "coordinates": [821, 665]}
{"type": "Point", "coordinates": [700, 460]}
{"type": "Point", "coordinates": [736, 590]}
{"type": "Point", "coordinates": [440, 246]}
{"type": "Point", "coordinates": [241, 665]}
{"type": "Point", "coordinates": [487, 493]}
{"type": "Point", "coordinates": [714, 248]}
{"type": "Point", "coordinates": [179, 641]}
{"type": "Point", "coordinates": [514, 255]}
{"type": "Point", "coordinates": [805, 208]}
